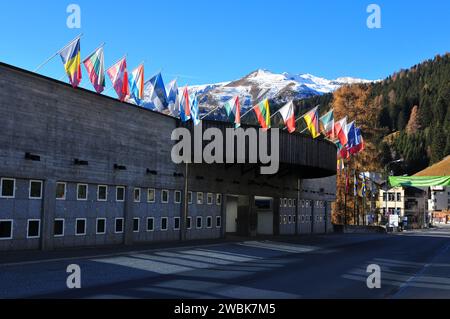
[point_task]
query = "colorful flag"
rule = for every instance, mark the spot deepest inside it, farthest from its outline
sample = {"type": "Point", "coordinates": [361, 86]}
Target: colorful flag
{"type": "Point", "coordinates": [95, 66]}
{"type": "Point", "coordinates": [173, 98]}
{"type": "Point", "coordinates": [359, 144]}
{"type": "Point", "coordinates": [155, 94]}
{"type": "Point", "coordinates": [340, 165]}
{"type": "Point", "coordinates": [340, 131]}
{"type": "Point", "coordinates": [136, 82]}
{"type": "Point", "coordinates": [195, 111]}
{"type": "Point", "coordinates": [327, 122]}
{"type": "Point", "coordinates": [351, 136]}
{"type": "Point", "coordinates": [342, 151]}
{"type": "Point", "coordinates": [233, 109]}
{"type": "Point", "coordinates": [71, 57]}
{"type": "Point", "coordinates": [312, 122]}
{"type": "Point", "coordinates": [118, 74]}
{"type": "Point", "coordinates": [185, 106]}
{"type": "Point", "coordinates": [262, 111]}
{"type": "Point", "coordinates": [363, 188]}
{"type": "Point", "coordinates": [288, 114]}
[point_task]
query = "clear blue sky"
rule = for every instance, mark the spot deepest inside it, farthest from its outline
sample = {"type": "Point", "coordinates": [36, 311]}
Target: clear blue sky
{"type": "Point", "coordinates": [212, 41]}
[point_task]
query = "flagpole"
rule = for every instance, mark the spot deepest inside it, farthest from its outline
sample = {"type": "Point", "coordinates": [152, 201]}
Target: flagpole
{"type": "Point", "coordinates": [251, 109]}
{"type": "Point", "coordinates": [211, 112]}
{"type": "Point", "coordinates": [54, 55]}
{"type": "Point", "coordinates": [101, 46]}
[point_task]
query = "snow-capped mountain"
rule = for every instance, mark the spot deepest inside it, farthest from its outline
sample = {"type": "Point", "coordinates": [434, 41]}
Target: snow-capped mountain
{"type": "Point", "coordinates": [262, 84]}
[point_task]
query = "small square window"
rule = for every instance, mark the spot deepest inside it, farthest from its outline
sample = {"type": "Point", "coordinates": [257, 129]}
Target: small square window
{"type": "Point", "coordinates": [164, 222]}
{"type": "Point", "coordinates": [218, 199]}
{"type": "Point", "coordinates": [151, 195]}
{"type": "Point", "coordinates": [8, 187]}
{"type": "Point", "coordinates": [177, 197]}
{"type": "Point", "coordinates": [210, 199]}
{"type": "Point", "coordinates": [80, 227]}
{"type": "Point", "coordinates": [6, 229]}
{"type": "Point", "coordinates": [165, 196]}
{"type": "Point", "coordinates": [190, 198]}
{"type": "Point", "coordinates": [120, 194]}
{"type": "Point", "coordinates": [199, 222]}
{"type": "Point", "coordinates": [176, 222]}
{"type": "Point", "coordinates": [150, 224]}
{"type": "Point", "coordinates": [200, 198]}
{"type": "Point", "coordinates": [136, 222]}
{"type": "Point", "coordinates": [209, 222]}
{"type": "Point", "coordinates": [35, 190]}
{"type": "Point", "coordinates": [290, 202]}
{"type": "Point", "coordinates": [137, 195]}
{"type": "Point", "coordinates": [82, 192]}
{"type": "Point", "coordinates": [218, 222]}
{"type": "Point", "coordinates": [119, 225]}
{"type": "Point", "coordinates": [34, 228]}
{"type": "Point", "coordinates": [58, 228]}
{"type": "Point", "coordinates": [189, 223]}
{"type": "Point", "coordinates": [61, 189]}
{"type": "Point", "coordinates": [102, 193]}
{"type": "Point", "coordinates": [101, 226]}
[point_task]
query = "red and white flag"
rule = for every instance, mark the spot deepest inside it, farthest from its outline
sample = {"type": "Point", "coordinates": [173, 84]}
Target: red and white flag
{"type": "Point", "coordinates": [118, 74]}
{"type": "Point", "coordinates": [288, 114]}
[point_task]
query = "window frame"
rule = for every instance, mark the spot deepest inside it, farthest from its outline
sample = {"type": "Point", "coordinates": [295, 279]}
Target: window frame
{"type": "Point", "coordinates": [190, 198]}
{"type": "Point", "coordinates": [219, 199]}
{"type": "Point", "coordinates": [41, 183]}
{"type": "Point", "coordinates": [63, 220]}
{"type": "Point", "coordinates": [209, 219]}
{"type": "Point", "coordinates": [198, 201]}
{"type": "Point", "coordinates": [115, 225]}
{"type": "Point", "coordinates": [208, 197]}
{"type": "Point", "coordinates": [117, 194]}
{"type": "Point", "coordinates": [96, 226]}
{"type": "Point", "coordinates": [98, 193]}
{"type": "Point", "coordinates": [199, 218]}
{"type": "Point", "coordinates": [179, 223]}
{"type": "Point", "coordinates": [1, 187]}
{"type": "Point", "coordinates": [138, 189]}
{"type": "Point", "coordinates": [175, 197]}
{"type": "Point", "coordinates": [28, 229]}
{"type": "Point", "coordinates": [78, 192]}
{"type": "Point", "coordinates": [138, 224]}
{"type": "Point", "coordinates": [76, 226]}
{"type": "Point", "coordinates": [218, 225]}
{"type": "Point", "coordinates": [190, 223]}
{"type": "Point", "coordinates": [154, 195]}
{"type": "Point", "coordinates": [165, 191]}
{"type": "Point", "coordinates": [161, 224]}
{"type": "Point", "coordinates": [153, 224]}
{"type": "Point", "coordinates": [65, 191]}
{"type": "Point", "coordinates": [12, 229]}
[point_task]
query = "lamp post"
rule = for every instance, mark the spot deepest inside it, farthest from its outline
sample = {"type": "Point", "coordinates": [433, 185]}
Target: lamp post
{"type": "Point", "coordinates": [387, 174]}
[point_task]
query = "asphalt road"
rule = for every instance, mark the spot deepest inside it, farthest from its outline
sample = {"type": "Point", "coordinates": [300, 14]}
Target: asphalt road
{"type": "Point", "coordinates": [413, 265]}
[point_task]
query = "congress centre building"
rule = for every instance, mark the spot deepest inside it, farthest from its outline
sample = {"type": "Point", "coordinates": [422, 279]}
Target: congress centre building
{"type": "Point", "coordinates": [78, 169]}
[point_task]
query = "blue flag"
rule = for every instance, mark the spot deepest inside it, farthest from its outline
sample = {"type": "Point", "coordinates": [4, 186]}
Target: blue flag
{"type": "Point", "coordinates": [155, 94]}
{"type": "Point", "coordinates": [195, 112]}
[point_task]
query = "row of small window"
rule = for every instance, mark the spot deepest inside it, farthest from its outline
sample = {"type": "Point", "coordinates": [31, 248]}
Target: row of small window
{"type": "Point", "coordinates": [34, 226]}
{"type": "Point", "coordinates": [392, 197]}
{"type": "Point", "coordinates": [289, 202]}
{"type": "Point", "coordinates": [292, 219]}
{"type": "Point", "coordinates": [8, 188]}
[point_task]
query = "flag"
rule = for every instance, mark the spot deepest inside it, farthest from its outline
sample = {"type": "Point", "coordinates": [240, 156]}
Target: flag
{"type": "Point", "coordinates": [340, 165]}
{"type": "Point", "coordinates": [342, 151]}
{"type": "Point", "coordinates": [312, 122]}
{"type": "Point", "coordinates": [340, 131]}
{"type": "Point", "coordinates": [327, 123]}
{"type": "Point", "coordinates": [119, 77]}
{"type": "Point", "coordinates": [262, 111]}
{"type": "Point", "coordinates": [71, 58]}
{"type": "Point", "coordinates": [136, 82]}
{"type": "Point", "coordinates": [351, 137]}
{"type": "Point", "coordinates": [233, 109]}
{"type": "Point", "coordinates": [173, 98]}
{"type": "Point", "coordinates": [95, 66]}
{"type": "Point", "coordinates": [155, 94]}
{"type": "Point", "coordinates": [363, 187]}
{"type": "Point", "coordinates": [195, 112]}
{"type": "Point", "coordinates": [288, 114]}
{"type": "Point", "coordinates": [185, 106]}
{"type": "Point", "coordinates": [360, 145]}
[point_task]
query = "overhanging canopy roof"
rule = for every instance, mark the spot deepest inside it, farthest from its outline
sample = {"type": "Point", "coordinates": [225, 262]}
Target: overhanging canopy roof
{"type": "Point", "coordinates": [419, 181]}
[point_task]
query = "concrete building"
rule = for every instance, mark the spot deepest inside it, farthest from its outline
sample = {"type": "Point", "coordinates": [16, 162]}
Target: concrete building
{"type": "Point", "coordinates": [79, 169]}
{"type": "Point", "coordinates": [439, 204]}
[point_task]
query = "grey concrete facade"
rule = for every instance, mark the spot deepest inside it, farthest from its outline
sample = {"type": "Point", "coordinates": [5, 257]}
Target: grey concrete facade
{"type": "Point", "coordinates": [55, 135]}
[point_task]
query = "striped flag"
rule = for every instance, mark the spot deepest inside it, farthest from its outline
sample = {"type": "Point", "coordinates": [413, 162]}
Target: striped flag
{"type": "Point", "coordinates": [155, 94]}
{"type": "Point", "coordinates": [119, 77]}
{"type": "Point", "coordinates": [233, 110]}
{"type": "Point", "coordinates": [195, 111]}
{"type": "Point", "coordinates": [136, 82]}
{"type": "Point", "coordinates": [95, 66]}
{"type": "Point", "coordinates": [312, 122]}
{"type": "Point", "coordinates": [340, 131]}
{"type": "Point", "coordinates": [288, 114]}
{"type": "Point", "coordinates": [185, 106]}
{"type": "Point", "coordinates": [173, 98]}
{"type": "Point", "coordinates": [71, 58]}
{"type": "Point", "coordinates": [327, 123]}
{"type": "Point", "coordinates": [262, 111]}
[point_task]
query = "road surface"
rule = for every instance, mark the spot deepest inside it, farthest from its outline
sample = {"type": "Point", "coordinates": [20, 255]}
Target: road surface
{"type": "Point", "coordinates": [413, 265]}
